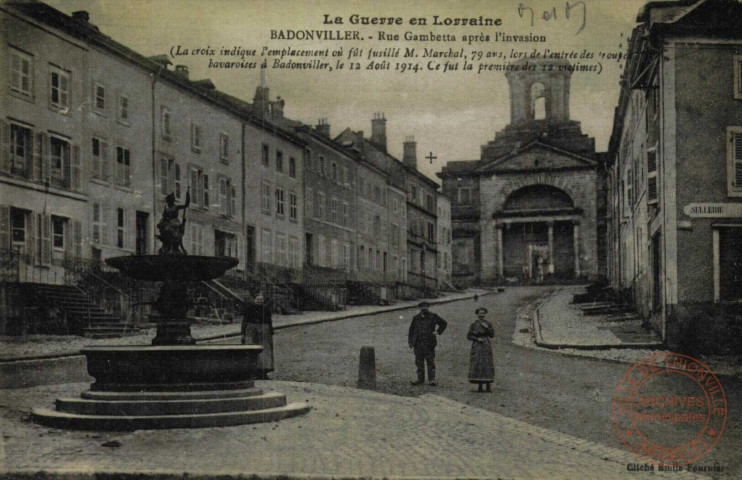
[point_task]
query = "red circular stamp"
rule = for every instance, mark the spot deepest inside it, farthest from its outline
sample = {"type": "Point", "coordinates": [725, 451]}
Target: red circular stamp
{"type": "Point", "coordinates": [670, 409]}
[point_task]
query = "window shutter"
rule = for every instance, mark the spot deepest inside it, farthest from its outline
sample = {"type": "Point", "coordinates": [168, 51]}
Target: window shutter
{"type": "Point", "coordinates": [206, 190]}
{"type": "Point", "coordinates": [31, 237]}
{"type": "Point", "coordinates": [38, 147]}
{"type": "Point", "coordinates": [46, 239]}
{"type": "Point", "coordinates": [92, 222]}
{"type": "Point", "coordinates": [130, 234]}
{"type": "Point", "coordinates": [45, 159]}
{"type": "Point", "coordinates": [68, 239]}
{"type": "Point", "coordinates": [737, 159]}
{"type": "Point", "coordinates": [76, 168]}
{"type": "Point", "coordinates": [104, 159]}
{"type": "Point", "coordinates": [5, 146]}
{"type": "Point", "coordinates": [5, 236]}
{"type": "Point", "coordinates": [104, 214]}
{"type": "Point", "coordinates": [77, 238]}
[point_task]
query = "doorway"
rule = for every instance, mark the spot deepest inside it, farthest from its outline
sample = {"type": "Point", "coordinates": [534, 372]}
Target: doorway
{"type": "Point", "coordinates": [141, 232]}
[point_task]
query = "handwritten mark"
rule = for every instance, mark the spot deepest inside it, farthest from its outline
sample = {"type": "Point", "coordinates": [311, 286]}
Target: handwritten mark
{"type": "Point", "coordinates": [552, 14]}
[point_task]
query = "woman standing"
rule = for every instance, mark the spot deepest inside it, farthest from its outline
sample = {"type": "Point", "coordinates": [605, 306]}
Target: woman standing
{"type": "Point", "coordinates": [481, 361]}
{"type": "Point", "coordinates": [257, 329]}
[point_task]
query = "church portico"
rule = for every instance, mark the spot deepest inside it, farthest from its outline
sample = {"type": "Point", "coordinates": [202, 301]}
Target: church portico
{"type": "Point", "coordinates": [537, 189]}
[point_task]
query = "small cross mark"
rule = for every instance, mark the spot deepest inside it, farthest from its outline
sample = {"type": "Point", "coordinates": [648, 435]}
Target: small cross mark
{"type": "Point", "coordinates": [431, 157]}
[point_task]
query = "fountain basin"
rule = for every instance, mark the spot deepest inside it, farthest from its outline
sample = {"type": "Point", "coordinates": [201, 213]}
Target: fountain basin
{"type": "Point", "coordinates": [168, 367]}
{"type": "Point", "coordinates": [181, 268]}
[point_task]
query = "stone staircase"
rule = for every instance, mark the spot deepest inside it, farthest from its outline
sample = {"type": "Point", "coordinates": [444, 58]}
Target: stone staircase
{"type": "Point", "coordinates": [82, 315]}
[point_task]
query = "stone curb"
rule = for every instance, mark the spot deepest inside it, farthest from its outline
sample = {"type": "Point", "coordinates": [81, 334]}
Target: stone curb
{"type": "Point", "coordinates": [539, 340]}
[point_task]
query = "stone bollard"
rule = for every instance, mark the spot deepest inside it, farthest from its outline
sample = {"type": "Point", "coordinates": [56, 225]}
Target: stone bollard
{"type": "Point", "coordinates": [367, 368]}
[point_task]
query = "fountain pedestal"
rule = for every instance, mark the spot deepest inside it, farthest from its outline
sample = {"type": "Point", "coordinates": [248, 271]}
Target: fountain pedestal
{"type": "Point", "coordinates": [172, 383]}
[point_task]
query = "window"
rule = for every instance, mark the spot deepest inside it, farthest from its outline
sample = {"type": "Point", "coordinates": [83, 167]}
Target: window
{"type": "Point", "coordinates": [170, 177]}
{"type": "Point", "coordinates": [224, 204]}
{"type": "Point", "coordinates": [292, 167]}
{"type": "Point", "coordinates": [232, 199]}
{"type": "Point", "coordinates": [320, 205]}
{"type": "Point", "coordinates": [652, 175]}
{"type": "Point", "coordinates": [431, 232]}
{"type": "Point", "coordinates": [197, 239]}
{"type": "Point", "coordinates": [21, 73]}
{"type": "Point", "coordinates": [266, 155]}
{"type": "Point", "coordinates": [21, 154]}
{"type": "Point", "coordinates": [165, 126]}
{"type": "Point", "coordinates": [734, 161]}
{"type": "Point", "coordinates": [59, 87]}
{"type": "Point", "coordinates": [293, 206]}
{"type": "Point", "coordinates": [738, 76]}
{"type": "Point", "coordinates": [122, 112]}
{"type": "Point", "coordinates": [293, 252]}
{"type": "Point", "coordinates": [195, 137]}
{"type": "Point", "coordinates": [334, 210]}
{"type": "Point", "coordinates": [197, 185]}
{"type": "Point", "coordinates": [120, 227]}
{"type": "Point", "coordinates": [377, 194]}
{"type": "Point", "coordinates": [309, 203]}
{"type": "Point", "coordinates": [225, 244]}
{"type": "Point", "coordinates": [395, 206]}
{"type": "Point", "coordinates": [18, 226]}
{"type": "Point", "coordinates": [334, 171]}
{"type": "Point", "coordinates": [279, 161]}
{"type": "Point", "coordinates": [123, 166]}
{"type": "Point", "coordinates": [100, 214]}
{"type": "Point", "coordinates": [224, 147]}
{"type": "Point", "coordinates": [361, 257]}
{"type": "Point", "coordinates": [370, 263]}
{"type": "Point", "coordinates": [321, 165]}
{"type": "Point", "coordinates": [60, 162]}
{"type": "Point", "coordinates": [345, 180]}
{"type": "Point", "coordinates": [99, 97]}
{"type": "Point", "coordinates": [266, 248]}
{"type": "Point", "coordinates": [177, 182]}
{"type": "Point", "coordinates": [395, 234]}
{"type": "Point", "coordinates": [99, 159]}
{"type": "Point", "coordinates": [308, 159]}
{"type": "Point", "coordinates": [281, 249]}
{"type": "Point", "coordinates": [335, 253]}
{"type": "Point", "coordinates": [321, 251]}
{"type": "Point", "coordinates": [345, 214]}
{"type": "Point", "coordinates": [279, 203]}
{"type": "Point", "coordinates": [266, 198]}
{"type": "Point", "coordinates": [413, 193]}
{"type": "Point", "coordinates": [464, 195]}
{"type": "Point", "coordinates": [431, 203]}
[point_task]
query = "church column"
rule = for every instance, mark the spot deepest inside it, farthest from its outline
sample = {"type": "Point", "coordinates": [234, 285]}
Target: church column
{"type": "Point", "coordinates": [576, 235]}
{"type": "Point", "coordinates": [551, 246]}
{"type": "Point", "coordinates": [500, 251]}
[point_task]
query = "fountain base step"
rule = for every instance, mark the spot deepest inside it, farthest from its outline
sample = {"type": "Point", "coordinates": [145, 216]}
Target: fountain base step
{"type": "Point", "coordinates": [77, 421]}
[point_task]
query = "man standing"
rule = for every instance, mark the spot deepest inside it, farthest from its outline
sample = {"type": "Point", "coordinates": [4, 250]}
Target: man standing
{"type": "Point", "coordinates": [421, 339]}
{"type": "Point", "coordinates": [257, 329]}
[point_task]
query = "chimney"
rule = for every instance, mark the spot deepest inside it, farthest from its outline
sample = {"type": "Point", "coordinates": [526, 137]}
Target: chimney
{"type": "Point", "coordinates": [323, 128]}
{"type": "Point", "coordinates": [81, 16]}
{"type": "Point", "coordinates": [260, 101]}
{"type": "Point", "coordinates": [182, 70]}
{"type": "Point", "coordinates": [410, 152]}
{"type": "Point", "coordinates": [378, 130]}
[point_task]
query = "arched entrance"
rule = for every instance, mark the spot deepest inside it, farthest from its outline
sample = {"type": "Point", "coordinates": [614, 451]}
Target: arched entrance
{"type": "Point", "coordinates": [538, 235]}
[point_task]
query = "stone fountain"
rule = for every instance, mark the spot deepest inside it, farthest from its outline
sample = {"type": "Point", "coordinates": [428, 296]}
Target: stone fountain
{"type": "Point", "coordinates": [172, 383]}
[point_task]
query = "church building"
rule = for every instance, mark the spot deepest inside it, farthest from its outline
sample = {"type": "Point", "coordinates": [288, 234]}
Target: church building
{"type": "Point", "coordinates": [527, 210]}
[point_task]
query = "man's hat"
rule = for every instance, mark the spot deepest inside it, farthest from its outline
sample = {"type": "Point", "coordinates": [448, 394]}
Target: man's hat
{"type": "Point", "coordinates": [424, 305]}
{"type": "Point", "coordinates": [480, 309]}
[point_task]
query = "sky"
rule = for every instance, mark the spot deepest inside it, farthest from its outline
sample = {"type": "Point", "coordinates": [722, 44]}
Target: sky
{"type": "Point", "coordinates": [450, 114]}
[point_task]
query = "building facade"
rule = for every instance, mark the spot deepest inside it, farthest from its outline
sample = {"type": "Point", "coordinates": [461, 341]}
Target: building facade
{"type": "Point", "coordinates": [527, 209]}
{"type": "Point", "coordinates": [444, 241]}
{"type": "Point", "coordinates": [675, 182]}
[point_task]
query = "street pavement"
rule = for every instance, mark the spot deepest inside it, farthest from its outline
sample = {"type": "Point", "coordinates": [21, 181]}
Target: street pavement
{"type": "Point", "coordinates": [549, 417]}
{"type": "Point", "coordinates": [348, 433]}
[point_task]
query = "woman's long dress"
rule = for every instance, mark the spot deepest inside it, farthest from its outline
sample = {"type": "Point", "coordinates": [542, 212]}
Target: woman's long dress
{"type": "Point", "coordinates": [481, 360]}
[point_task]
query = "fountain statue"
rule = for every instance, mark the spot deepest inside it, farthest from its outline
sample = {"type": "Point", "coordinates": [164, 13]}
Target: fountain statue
{"type": "Point", "coordinates": [172, 383]}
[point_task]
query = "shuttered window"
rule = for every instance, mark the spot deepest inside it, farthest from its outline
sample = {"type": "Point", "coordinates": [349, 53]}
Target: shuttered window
{"type": "Point", "coordinates": [734, 161]}
{"type": "Point", "coordinates": [652, 193]}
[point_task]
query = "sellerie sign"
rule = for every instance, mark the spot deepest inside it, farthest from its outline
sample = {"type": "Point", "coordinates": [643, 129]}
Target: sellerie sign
{"type": "Point", "coordinates": [713, 210]}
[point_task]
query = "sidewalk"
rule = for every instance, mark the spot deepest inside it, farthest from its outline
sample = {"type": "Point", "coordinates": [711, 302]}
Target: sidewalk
{"type": "Point", "coordinates": [348, 433]}
{"type": "Point", "coordinates": [553, 324]}
{"type": "Point", "coordinates": [32, 347]}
